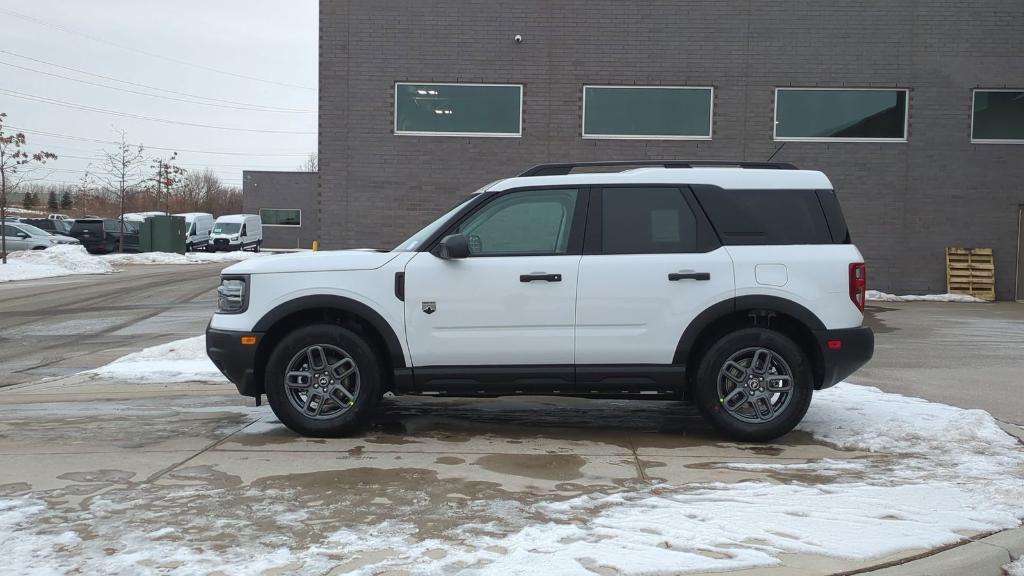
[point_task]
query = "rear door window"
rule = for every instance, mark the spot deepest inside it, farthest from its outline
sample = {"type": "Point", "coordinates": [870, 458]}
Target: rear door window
{"type": "Point", "coordinates": [652, 220]}
{"type": "Point", "coordinates": [763, 217]}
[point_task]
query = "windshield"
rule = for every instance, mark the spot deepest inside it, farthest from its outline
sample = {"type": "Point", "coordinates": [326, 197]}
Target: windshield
{"type": "Point", "coordinates": [227, 227]}
{"type": "Point", "coordinates": [414, 241]}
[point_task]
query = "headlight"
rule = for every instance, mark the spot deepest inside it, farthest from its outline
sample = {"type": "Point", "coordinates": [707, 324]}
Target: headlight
{"type": "Point", "coordinates": [235, 237]}
{"type": "Point", "coordinates": [232, 295]}
{"type": "Point", "coordinates": [54, 241]}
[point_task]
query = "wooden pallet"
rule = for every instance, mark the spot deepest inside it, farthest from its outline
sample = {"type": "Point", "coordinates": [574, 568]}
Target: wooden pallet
{"type": "Point", "coordinates": [971, 271]}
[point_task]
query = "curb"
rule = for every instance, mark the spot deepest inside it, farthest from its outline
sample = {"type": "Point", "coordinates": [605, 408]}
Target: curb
{"type": "Point", "coordinates": [984, 556]}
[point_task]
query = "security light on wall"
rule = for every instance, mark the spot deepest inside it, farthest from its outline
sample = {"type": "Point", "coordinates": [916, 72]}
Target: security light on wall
{"type": "Point", "coordinates": [518, 38]}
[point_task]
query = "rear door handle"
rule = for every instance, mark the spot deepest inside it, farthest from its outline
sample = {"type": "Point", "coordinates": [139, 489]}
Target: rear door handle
{"type": "Point", "coordinates": [540, 276]}
{"type": "Point", "coordinates": [688, 275]}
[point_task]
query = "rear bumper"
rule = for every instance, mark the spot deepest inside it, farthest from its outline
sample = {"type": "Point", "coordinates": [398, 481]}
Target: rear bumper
{"type": "Point", "coordinates": [856, 346]}
{"type": "Point", "coordinates": [234, 360]}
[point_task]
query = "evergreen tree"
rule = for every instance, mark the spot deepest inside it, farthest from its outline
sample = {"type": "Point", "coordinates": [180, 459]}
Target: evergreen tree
{"type": "Point", "coordinates": [28, 201]}
{"type": "Point", "coordinates": [51, 201]}
{"type": "Point", "coordinates": [66, 201]}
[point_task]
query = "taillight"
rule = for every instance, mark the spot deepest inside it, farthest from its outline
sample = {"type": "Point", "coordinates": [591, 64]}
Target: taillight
{"type": "Point", "coordinates": [858, 284]}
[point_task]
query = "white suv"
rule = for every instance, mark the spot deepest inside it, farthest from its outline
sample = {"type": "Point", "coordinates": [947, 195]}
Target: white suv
{"type": "Point", "coordinates": [732, 285]}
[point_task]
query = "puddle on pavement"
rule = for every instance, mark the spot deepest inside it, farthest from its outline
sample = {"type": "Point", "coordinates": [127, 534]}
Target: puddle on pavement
{"type": "Point", "coordinates": [556, 467]}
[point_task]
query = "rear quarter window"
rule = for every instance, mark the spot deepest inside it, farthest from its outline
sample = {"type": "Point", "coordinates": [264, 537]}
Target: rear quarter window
{"type": "Point", "coordinates": [765, 217]}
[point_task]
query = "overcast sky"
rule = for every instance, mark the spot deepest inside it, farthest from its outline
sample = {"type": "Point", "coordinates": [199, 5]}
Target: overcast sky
{"type": "Point", "coordinates": [243, 53]}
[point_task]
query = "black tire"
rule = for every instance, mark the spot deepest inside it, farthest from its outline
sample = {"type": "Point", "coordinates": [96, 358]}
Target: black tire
{"type": "Point", "coordinates": [257, 247]}
{"type": "Point", "coordinates": [190, 248]}
{"type": "Point", "coordinates": [368, 378]}
{"type": "Point", "coordinates": [709, 400]}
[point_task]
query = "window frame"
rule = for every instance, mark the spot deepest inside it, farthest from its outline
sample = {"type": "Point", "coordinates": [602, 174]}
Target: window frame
{"type": "Point", "coordinates": [394, 117]}
{"type": "Point", "coordinates": [576, 231]}
{"type": "Point", "coordinates": [775, 115]}
{"type": "Point", "coordinates": [299, 225]}
{"type": "Point", "coordinates": [974, 103]}
{"type": "Point", "coordinates": [593, 241]}
{"type": "Point", "coordinates": [583, 116]}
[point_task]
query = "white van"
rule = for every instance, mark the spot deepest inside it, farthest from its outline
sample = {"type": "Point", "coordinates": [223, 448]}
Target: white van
{"type": "Point", "coordinates": [237, 232]}
{"type": "Point", "coordinates": [198, 226]}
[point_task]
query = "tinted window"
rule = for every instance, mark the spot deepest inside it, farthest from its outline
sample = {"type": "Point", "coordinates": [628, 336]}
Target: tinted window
{"type": "Point", "coordinates": [93, 226]}
{"type": "Point", "coordinates": [646, 112]}
{"type": "Point", "coordinates": [226, 227]}
{"type": "Point", "coordinates": [646, 221]}
{"type": "Point", "coordinates": [758, 217]}
{"type": "Point", "coordinates": [802, 113]}
{"type": "Point", "coordinates": [534, 222]}
{"type": "Point", "coordinates": [11, 230]}
{"type": "Point", "coordinates": [998, 115]}
{"type": "Point", "coordinates": [280, 217]}
{"type": "Point", "coordinates": [457, 109]}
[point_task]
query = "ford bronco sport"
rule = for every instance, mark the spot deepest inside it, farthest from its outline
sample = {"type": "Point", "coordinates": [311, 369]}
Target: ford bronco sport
{"type": "Point", "coordinates": [731, 285]}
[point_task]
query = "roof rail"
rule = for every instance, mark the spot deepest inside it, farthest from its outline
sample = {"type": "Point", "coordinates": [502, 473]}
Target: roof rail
{"type": "Point", "coordinates": [563, 168]}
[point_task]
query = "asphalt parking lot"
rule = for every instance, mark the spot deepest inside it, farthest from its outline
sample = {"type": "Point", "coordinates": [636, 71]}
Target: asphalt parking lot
{"type": "Point", "coordinates": [61, 326]}
{"type": "Point", "coordinates": [110, 476]}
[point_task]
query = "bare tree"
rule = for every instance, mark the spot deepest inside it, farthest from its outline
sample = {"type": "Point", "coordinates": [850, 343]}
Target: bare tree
{"type": "Point", "coordinates": [120, 173]}
{"type": "Point", "coordinates": [312, 163]}
{"type": "Point", "coordinates": [167, 177]}
{"type": "Point", "coordinates": [16, 168]}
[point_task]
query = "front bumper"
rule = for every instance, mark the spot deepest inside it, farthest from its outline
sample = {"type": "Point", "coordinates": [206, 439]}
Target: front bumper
{"type": "Point", "coordinates": [856, 346]}
{"type": "Point", "coordinates": [234, 360]}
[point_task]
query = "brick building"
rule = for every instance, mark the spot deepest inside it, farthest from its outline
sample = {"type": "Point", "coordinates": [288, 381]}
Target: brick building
{"type": "Point", "coordinates": [423, 101]}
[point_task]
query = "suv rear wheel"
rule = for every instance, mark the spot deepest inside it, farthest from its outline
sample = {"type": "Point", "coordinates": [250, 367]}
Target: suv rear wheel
{"type": "Point", "coordinates": [754, 385]}
{"type": "Point", "coordinates": [322, 380]}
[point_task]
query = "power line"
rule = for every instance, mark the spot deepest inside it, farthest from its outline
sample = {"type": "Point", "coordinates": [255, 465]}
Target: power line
{"type": "Point", "coordinates": [138, 85]}
{"type": "Point", "coordinates": [67, 30]}
{"type": "Point", "coordinates": [163, 148]}
{"type": "Point", "coordinates": [187, 164]}
{"type": "Point", "coordinates": [72, 105]}
{"type": "Point", "coordinates": [197, 102]}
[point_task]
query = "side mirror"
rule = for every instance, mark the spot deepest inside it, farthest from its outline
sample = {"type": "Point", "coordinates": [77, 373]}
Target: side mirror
{"type": "Point", "coordinates": [453, 247]}
{"type": "Point", "coordinates": [23, 235]}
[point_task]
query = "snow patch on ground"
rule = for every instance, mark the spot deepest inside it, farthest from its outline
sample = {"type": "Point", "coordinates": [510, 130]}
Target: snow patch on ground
{"type": "Point", "coordinates": [60, 260]}
{"type": "Point", "coordinates": [172, 258]}
{"type": "Point", "coordinates": [1015, 568]}
{"type": "Point", "coordinates": [876, 296]}
{"type": "Point", "coordinates": [178, 361]}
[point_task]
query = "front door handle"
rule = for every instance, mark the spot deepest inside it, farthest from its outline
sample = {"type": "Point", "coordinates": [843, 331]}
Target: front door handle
{"type": "Point", "coordinates": [540, 276]}
{"type": "Point", "coordinates": [688, 275]}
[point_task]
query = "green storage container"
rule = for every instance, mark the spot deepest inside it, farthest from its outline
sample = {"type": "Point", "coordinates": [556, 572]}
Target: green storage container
{"type": "Point", "coordinates": [163, 234]}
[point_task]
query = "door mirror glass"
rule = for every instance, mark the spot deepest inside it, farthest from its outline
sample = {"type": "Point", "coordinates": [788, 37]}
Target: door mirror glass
{"type": "Point", "coordinates": [453, 247]}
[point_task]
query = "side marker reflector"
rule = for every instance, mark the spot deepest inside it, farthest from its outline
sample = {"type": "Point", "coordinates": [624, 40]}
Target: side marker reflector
{"type": "Point", "coordinates": [835, 344]}
{"type": "Point", "coordinates": [248, 340]}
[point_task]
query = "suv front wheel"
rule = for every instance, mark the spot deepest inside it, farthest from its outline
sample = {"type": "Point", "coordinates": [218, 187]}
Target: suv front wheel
{"type": "Point", "coordinates": [754, 385]}
{"type": "Point", "coordinates": [322, 380]}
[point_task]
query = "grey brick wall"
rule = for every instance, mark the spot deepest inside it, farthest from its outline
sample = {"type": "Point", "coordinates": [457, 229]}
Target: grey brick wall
{"type": "Point", "coordinates": [291, 190]}
{"type": "Point", "coordinates": [905, 202]}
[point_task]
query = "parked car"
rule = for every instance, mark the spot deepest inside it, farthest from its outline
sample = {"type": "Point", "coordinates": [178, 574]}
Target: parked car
{"type": "Point", "coordinates": [103, 236]}
{"type": "Point", "coordinates": [198, 226]}
{"type": "Point", "coordinates": [54, 226]}
{"type": "Point", "coordinates": [58, 217]}
{"type": "Point", "coordinates": [735, 287]}
{"type": "Point", "coordinates": [237, 232]}
{"type": "Point", "coordinates": [22, 236]}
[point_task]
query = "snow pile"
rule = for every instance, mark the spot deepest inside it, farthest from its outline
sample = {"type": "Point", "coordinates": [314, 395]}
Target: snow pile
{"type": "Point", "coordinates": [1015, 568]}
{"type": "Point", "coordinates": [173, 258]}
{"type": "Point", "coordinates": [60, 260]}
{"type": "Point", "coordinates": [876, 296]}
{"type": "Point", "coordinates": [178, 361]}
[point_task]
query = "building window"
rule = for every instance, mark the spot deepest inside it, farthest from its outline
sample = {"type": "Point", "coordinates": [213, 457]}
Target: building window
{"type": "Point", "coordinates": [280, 217]}
{"type": "Point", "coordinates": [998, 116]}
{"type": "Point", "coordinates": [458, 109]}
{"type": "Point", "coordinates": [852, 115]}
{"type": "Point", "coordinates": [647, 112]}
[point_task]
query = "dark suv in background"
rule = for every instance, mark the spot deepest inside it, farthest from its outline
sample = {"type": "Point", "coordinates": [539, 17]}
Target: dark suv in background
{"type": "Point", "coordinates": [103, 236]}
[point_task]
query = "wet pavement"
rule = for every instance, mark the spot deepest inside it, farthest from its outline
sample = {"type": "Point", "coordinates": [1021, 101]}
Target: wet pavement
{"type": "Point", "coordinates": [128, 467]}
